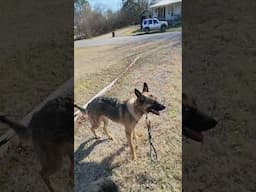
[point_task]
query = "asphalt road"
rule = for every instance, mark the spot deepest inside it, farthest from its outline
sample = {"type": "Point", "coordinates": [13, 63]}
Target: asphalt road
{"type": "Point", "coordinates": [168, 36]}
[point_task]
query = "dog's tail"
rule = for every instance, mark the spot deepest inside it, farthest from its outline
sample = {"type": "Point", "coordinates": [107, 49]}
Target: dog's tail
{"type": "Point", "coordinates": [21, 130]}
{"type": "Point", "coordinates": [80, 108]}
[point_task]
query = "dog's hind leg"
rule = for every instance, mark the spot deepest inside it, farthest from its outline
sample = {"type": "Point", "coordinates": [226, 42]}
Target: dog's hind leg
{"type": "Point", "coordinates": [105, 121]}
{"type": "Point", "coordinates": [70, 153]}
{"type": "Point", "coordinates": [71, 168]}
{"type": "Point", "coordinates": [45, 176]}
{"type": "Point", "coordinates": [95, 124]}
{"type": "Point", "coordinates": [129, 136]}
{"type": "Point", "coordinates": [48, 168]}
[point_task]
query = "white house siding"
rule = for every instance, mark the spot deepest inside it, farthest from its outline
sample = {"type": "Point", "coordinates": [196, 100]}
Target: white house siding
{"type": "Point", "coordinates": [176, 11]}
{"type": "Point", "coordinates": [169, 16]}
{"type": "Point", "coordinates": [168, 12]}
{"type": "Point", "coordinates": [155, 12]}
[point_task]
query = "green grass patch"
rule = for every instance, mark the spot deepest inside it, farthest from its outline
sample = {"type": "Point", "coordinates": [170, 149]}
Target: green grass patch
{"type": "Point", "coordinates": [173, 29]}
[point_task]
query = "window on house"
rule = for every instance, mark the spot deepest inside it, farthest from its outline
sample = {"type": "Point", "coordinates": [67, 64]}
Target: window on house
{"type": "Point", "coordinates": [171, 11]}
{"type": "Point", "coordinates": [161, 12]}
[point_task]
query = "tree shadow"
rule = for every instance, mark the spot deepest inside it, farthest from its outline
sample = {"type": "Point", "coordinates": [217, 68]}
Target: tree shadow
{"type": "Point", "coordinates": [88, 172]}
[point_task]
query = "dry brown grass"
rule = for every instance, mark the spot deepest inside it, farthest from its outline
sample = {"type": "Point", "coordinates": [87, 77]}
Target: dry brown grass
{"type": "Point", "coordinates": [219, 70]}
{"type": "Point", "coordinates": [97, 66]}
{"type": "Point", "coordinates": [33, 64]}
{"type": "Point", "coordinates": [126, 31]}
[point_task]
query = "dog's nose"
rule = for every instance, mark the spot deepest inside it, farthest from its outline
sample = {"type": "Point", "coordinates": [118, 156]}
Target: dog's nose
{"type": "Point", "coordinates": [163, 107]}
{"type": "Point", "coordinates": [215, 123]}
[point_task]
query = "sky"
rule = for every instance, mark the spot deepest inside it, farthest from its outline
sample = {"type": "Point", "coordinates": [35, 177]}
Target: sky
{"type": "Point", "coordinates": [114, 5]}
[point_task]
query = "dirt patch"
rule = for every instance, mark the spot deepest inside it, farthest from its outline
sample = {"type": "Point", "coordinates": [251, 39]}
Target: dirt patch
{"type": "Point", "coordinates": [101, 158]}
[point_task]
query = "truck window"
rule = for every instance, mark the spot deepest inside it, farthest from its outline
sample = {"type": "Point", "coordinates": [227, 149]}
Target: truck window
{"type": "Point", "coordinates": [145, 22]}
{"type": "Point", "coordinates": [150, 22]}
{"type": "Point", "coordinates": [155, 21]}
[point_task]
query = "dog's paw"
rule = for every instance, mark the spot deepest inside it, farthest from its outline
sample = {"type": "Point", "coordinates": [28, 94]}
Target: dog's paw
{"type": "Point", "coordinates": [111, 138]}
{"type": "Point", "coordinates": [97, 137]}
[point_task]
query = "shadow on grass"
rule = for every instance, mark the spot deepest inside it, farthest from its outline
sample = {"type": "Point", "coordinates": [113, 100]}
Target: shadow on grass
{"type": "Point", "coordinates": [88, 172]}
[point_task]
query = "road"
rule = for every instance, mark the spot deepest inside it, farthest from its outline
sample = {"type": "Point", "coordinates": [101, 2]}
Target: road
{"type": "Point", "coordinates": [168, 36]}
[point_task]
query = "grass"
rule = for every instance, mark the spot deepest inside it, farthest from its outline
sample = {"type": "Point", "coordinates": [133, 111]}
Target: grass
{"type": "Point", "coordinates": [33, 64]}
{"type": "Point", "coordinates": [173, 29]}
{"type": "Point", "coordinates": [89, 66]}
{"type": "Point", "coordinates": [228, 151]}
{"type": "Point", "coordinates": [125, 31]}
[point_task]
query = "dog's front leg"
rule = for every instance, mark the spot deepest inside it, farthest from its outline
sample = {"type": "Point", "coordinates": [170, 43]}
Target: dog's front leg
{"type": "Point", "coordinates": [129, 135]}
{"type": "Point", "coordinates": [135, 136]}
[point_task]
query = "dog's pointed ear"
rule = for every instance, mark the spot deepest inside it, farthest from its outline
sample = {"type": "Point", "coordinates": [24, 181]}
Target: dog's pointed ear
{"type": "Point", "coordinates": [145, 87]}
{"type": "Point", "coordinates": [137, 93]}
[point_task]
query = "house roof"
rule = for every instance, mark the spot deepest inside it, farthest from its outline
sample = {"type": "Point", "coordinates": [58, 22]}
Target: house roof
{"type": "Point", "coordinates": [165, 2]}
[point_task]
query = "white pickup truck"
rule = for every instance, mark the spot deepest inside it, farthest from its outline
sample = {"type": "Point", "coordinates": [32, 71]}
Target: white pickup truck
{"type": "Point", "coordinates": [151, 24]}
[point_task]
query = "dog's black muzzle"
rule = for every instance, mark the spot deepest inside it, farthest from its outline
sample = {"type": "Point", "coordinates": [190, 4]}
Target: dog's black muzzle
{"type": "Point", "coordinates": [194, 122]}
{"type": "Point", "coordinates": [156, 107]}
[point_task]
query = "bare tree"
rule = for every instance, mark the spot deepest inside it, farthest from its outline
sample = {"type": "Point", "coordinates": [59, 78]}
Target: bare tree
{"type": "Point", "coordinates": [92, 22]}
{"type": "Point", "coordinates": [133, 9]}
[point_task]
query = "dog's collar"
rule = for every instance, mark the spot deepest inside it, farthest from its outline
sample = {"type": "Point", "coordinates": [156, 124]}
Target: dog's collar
{"type": "Point", "coordinates": [130, 106]}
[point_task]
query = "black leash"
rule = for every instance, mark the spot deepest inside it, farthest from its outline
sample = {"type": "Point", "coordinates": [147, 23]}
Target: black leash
{"type": "Point", "coordinates": [153, 153]}
{"type": "Point", "coordinates": [6, 140]}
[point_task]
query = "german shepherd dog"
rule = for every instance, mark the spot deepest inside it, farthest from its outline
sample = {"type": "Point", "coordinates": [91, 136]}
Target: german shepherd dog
{"type": "Point", "coordinates": [194, 122]}
{"type": "Point", "coordinates": [51, 131]}
{"type": "Point", "coordinates": [127, 113]}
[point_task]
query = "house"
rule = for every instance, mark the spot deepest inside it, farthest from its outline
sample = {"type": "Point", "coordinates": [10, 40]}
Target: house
{"type": "Point", "coordinates": [168, 10]}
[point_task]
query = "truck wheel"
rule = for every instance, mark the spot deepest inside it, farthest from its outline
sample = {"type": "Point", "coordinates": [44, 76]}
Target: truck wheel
{"type": "Point", "coordinates": [146, 30]}
{"type": "Point", "coordinates": [163, 28]}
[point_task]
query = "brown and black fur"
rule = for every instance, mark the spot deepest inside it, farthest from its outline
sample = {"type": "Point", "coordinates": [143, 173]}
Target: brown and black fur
{"type": "Point", "coordinates": [51, 132]}
{"type": "Point", "coordinates": [194, 122]}
{"type": "Point", "coordinates": [101, 109]}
